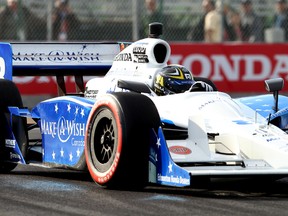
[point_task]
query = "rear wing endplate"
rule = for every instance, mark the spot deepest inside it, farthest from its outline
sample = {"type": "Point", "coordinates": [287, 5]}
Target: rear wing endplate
{"type": "Point", "coordinates": [5, 61]}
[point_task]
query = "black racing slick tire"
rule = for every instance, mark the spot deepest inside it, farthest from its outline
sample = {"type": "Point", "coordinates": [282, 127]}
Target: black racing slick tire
{"type": "Point", "coordinates": [10, 96]}
{"type": "Point", "coordinates": [117, 140]}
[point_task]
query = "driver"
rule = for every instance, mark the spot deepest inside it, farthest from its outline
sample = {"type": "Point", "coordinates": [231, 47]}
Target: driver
{"type": "Point", "coordinates": [174, 79]}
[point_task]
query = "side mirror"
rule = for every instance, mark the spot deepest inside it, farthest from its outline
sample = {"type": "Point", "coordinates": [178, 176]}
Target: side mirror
{"type": "Point", "coordinates": [134, 86]}
{"type": "Point", "coordinates": [274, 85]}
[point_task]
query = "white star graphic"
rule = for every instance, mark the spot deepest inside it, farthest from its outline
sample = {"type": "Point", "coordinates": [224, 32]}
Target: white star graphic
{"type": "Point", "coordinates": [68, 107]}
{"type": "Point", "coordinates": [56, 108]}
{"type": "Point", "coordinates": [62, 152]}
{"type": "Point", "coordinates": [78, 152]}
{"type": "Point", "coordinates": [70, 156]}
{"type": "Point", "coordinates": [82, 113]}
{"type": "Point", "coordinates": [76, 111]}
{"type": "Point", "coordinates": [158, 143]}
{"type": "Point", "coordinates": [170, 167]}
{"type": "Point", "coordinates": [156, 158]}
{"type": "Point", "coordinates": [53, 155]}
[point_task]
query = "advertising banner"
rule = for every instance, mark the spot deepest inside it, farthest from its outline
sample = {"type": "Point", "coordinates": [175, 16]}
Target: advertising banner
{"type": "Point", "coordinates": [234, 67]}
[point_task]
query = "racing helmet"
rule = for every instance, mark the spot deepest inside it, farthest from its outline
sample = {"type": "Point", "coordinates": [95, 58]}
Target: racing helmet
{"type": "Point", "coordinates": [172, 79]}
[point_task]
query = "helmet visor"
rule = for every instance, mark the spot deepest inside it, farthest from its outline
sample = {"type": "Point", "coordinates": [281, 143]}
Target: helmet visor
{"type": "Point", "coordinates": [177, 85]}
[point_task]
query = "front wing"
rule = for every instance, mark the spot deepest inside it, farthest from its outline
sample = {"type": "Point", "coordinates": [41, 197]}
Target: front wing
{"type": "Point", "coordinates": [164, 171]}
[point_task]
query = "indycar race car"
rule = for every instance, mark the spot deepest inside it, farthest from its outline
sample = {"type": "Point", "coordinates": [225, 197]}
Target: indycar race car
{"type": "Point", "coordinates": [124, 133]}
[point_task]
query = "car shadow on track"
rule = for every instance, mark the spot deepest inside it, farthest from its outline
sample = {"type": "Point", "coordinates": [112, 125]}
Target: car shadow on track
{"type": "Point", "coordinates": [52, 173]}
{"type": "Point", "coordinates": [261, 187]}
{"type": "Point", "coordinates": [238, 188]}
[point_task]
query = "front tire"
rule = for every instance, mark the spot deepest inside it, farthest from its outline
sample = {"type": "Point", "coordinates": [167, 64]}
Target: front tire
{"type": "Point", "coordinates": [117, 139]}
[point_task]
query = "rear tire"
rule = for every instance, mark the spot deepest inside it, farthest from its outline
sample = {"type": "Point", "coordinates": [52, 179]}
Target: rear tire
{"type": "Point", "coordinates": [208, 81]}
{"type": "Point", "coordinates": [117, 140]}
{"type": "Point", "coordinates": [10, 96]}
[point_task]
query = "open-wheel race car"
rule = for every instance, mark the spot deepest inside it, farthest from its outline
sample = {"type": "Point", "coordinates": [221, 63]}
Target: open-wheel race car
{"type": "Point", "coordinates": [127, 134]}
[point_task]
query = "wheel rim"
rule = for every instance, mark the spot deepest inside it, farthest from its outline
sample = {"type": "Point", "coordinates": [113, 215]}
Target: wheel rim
{"type": "Point", "coordinates": [103, 140]}
{"type": "Point", "coordinates": [105, 135]}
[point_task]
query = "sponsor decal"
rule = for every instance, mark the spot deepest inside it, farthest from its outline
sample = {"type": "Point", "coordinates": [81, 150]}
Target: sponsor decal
{"type": "Point", "coordinates": [173, 179]}
{"type": "Point", "coordinates": [14, 156]}
{"type": "Point", "coordinates": [206, 103]}
{"type": "Point", "coordinates": [75, 142]}
{"type": "Point", "coordinates": [63, 128]}
{"type": "Point", "coordinates": [181, 150]}
{"type": "Point", "coordinates": [139, 50]}
{"type": "Point", "coordinates": [56, 56]}
{"type": "Point", "coordinates": [61, 54]}
{"type": "Point", "coordinates": [272, 139]}
{"type": "Point", "coordinates": [91, 94]}
{"type": "Point", "coordinates": [142, 58]}
{"type": "Point", "coordinates": [269, 137]}
{"type": "Point", "coordinates": [10, 143]}
{"type": "Point", "coordinates": [123, 57]}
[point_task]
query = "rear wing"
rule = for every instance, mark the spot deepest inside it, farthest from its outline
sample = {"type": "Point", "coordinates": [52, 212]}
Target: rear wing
{"type": "Point", "coordinates": [64, 59]}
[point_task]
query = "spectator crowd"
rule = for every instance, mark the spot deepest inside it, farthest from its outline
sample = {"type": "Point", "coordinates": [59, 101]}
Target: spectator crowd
{"type": "Point", "coordinates": [216, 24]}
{"type": "Point", "coordinates": [232, 25]}
{"type": "Point", "coordinates": [19, 23]}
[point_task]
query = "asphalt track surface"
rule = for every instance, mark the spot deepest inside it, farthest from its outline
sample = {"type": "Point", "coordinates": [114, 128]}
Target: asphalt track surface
{"type": "Point", "coordinates": [40, 191]}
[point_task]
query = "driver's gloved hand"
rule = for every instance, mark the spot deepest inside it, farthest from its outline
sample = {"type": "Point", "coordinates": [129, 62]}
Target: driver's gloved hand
{"type": "Point", "coordinates": [201, 86]}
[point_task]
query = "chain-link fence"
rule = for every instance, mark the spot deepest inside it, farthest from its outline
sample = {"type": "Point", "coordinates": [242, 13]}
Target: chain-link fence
{"type": "Point", "coordinates": [122, 20]}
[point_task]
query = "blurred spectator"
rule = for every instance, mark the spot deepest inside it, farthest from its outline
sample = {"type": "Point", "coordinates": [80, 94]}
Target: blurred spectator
{"type": "Point", "coordinates": [236, 23]}
{"type": "Point", "coordinates": [212, 23]}
{"type": "Point", "coordinates": [152, 15]}
{"type": "Point", "coordinates": [251, 24]}
{"type": "Point", "coordinates": [65, 23]}
{"type": "Point", "coordinates": [197, 32]}
{"type": "Point", "coordinates": [281, 16]}
{"type": "Point", "coordinates": [232, 24]}
{"type": "Point", "coordinates": [18, 23]}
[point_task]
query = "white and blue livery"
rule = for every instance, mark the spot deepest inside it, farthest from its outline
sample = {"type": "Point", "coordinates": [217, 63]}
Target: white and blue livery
{"type": "Point", "coordinates": [125, 135]}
